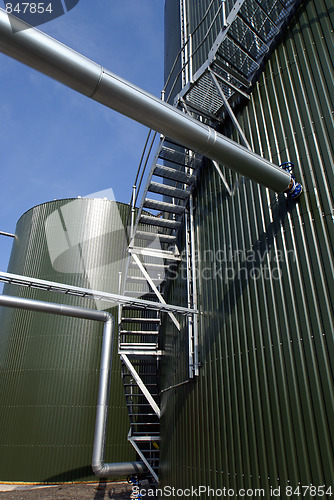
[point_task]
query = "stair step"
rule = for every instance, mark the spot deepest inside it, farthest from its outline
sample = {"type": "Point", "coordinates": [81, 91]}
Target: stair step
{"type": "Point", "coordinates": [173, 174]}
{"type": "Point", "coordinates": [178, 157]}
{"type": "Point", "coordinates": [143, 294]}
{"type": "Point", "coordinates": [132, 308]}
{"type": "Point", "coordinates": [163, 206]}
{"type": "Point", "coordinates": [143, 376]}
{"type": "Point", "coordinates": [134, 383]}
{"type": "Point", "coordinates": [156, 254]}
{"type": "Point", "coordinates": [135, 345]}
{"type": "Point", "coordinates": [140, 354]}
{"type": "Point", "coordinates": [173, 192]}
{"type": "Point", "coordinates": [139, 395]}
{"type": "Point", "coordinates": [142, 279]}
{"type": "Point", "coordinates": [151, 459]}
{"type": "Point", "coordinates": [147, 439]}
{"type": "Point", "coordinates": [163, 238]}
{"type": "Point", "coordinates": [150, 265]}
{"type": "Point", "coordinates": [142, 404]}
{"type": "Point", "coordinates": [160, 221]}
{"type": "Point", "coordinates": [142, 424]}
{"type": "Point", "coordinates": [152, 453]}
{"type": "Point", "coordinates": [141, 320]}
{"type": "Point", "coordinates": [142, 415]}
{"type": "Point", "coordinates": [138, 332]}
{"type": "Point", "coordinates": [220, 61]}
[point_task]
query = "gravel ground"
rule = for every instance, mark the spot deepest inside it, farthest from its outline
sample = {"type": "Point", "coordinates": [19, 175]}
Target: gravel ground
{"type": "Point", "coordinates": [90, 491]}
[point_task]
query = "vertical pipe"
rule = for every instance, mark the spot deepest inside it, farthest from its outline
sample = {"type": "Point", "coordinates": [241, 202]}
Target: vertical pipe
{"type": "Point", "coordinates": [194, 283]}
{"type": "Point", "coordinates": [133, 209]}
{"type": "Point", "coordinates": [190, 318]}
{"type": "Point", "coordinates": [190, 58]}
{"type": "Point", "coordinates": [224, 24]}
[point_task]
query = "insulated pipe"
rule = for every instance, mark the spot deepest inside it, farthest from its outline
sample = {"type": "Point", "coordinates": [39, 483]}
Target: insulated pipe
{"type": "Point", "coordinates": [4, 233]}
{"type": "Point", "coordinates": [100, 469]}
{"type": "Point", "coordinates": [47, 55]}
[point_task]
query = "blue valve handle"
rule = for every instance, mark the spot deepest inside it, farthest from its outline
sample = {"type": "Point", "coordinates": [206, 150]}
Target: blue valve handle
{"type": "Point", "coordinates": [295, 189]}
{"type": "Point", "coordinates": [134, 480]}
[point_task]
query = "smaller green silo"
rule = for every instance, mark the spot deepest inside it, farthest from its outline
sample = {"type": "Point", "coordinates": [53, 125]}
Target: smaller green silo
{"type": "Point", "coordinates": [49, 365]}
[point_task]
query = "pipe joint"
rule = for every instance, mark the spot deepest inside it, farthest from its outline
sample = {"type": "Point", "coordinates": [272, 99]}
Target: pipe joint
{"type": "Point", "coordinates": [210, 142]}
{"type": "Point", "coordinates": [294, 189]}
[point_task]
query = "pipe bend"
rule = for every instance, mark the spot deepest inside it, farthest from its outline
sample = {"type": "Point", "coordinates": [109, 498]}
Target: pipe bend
{"type": "Point", "coordinates": [118, 469]}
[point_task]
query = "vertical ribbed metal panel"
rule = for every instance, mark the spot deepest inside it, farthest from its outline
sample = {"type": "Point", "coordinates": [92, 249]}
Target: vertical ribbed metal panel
{"type": "Point", "coordinates": [261, 413]}
{"type": "Point", "coordinates": [205, 22]}
{"type": "Point", "coordinates": [49, 365]}
{"type": "Point", "coordinates": [172, 44]}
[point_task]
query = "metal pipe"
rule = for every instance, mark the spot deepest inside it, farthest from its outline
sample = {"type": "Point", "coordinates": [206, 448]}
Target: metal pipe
{"type": "Point", "coordinates": [100, 468]}
{"type": "Point", "coordinates": [3, 233]}
{"type": "Point", "coordinates": [47, 55]}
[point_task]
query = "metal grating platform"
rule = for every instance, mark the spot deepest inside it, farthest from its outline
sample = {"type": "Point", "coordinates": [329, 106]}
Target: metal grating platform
{"type": "Point", "coordinates": [237, 55]}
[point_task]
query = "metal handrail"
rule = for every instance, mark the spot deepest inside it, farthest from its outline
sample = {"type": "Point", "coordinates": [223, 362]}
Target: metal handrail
{"type": "Point", "coordinates": [183, 47]}
{"type": "Point", "coordinates": [133, 198]}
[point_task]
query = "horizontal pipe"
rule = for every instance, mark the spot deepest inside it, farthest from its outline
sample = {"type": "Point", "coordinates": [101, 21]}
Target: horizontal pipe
{"type": "Point", "coordinates": [47, 55]}
{"type": "Point", "coordinates": [100, 468]}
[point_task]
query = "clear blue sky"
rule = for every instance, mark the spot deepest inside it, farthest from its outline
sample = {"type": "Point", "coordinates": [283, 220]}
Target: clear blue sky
{"type": "Point", "coordinates": [56, 143]}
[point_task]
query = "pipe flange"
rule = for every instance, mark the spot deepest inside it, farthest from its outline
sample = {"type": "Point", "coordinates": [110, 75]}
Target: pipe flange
{"type": "Point", "coordinates": [295, 189]}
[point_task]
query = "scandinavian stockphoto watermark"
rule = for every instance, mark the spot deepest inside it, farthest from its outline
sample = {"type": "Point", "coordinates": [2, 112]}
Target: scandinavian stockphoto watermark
{"type": "Point", "coordinates": [35, 13]}
{"type": "Point", "coordinates": [226, 264]}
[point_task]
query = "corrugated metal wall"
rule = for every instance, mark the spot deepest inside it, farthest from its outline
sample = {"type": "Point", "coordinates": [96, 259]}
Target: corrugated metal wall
{"type": "Point", "coordinates": [172, 45]}
{"type": "Point", "coordinates": [49, 365]}
{"type": "Point", "coordinates": [205, 22]}
{"type": "Point", "coordinates": [261, 413]}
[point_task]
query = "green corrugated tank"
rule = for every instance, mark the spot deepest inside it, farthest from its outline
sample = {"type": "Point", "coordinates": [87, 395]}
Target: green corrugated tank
{"type": "Point", "coordinates": [260, 414]}
{"type": "Point", "coordinates": [49, 365]}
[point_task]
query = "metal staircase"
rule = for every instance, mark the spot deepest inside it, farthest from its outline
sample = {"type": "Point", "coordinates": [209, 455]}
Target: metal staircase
{"type": "Point", "coordinates": [165, 207]}
{"type": "Point", "coordinates": [248, 30]}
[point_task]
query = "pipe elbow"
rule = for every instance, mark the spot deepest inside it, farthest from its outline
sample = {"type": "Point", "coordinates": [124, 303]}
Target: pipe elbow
{"type": "Point", "coordinates": [99, 469]}
{"type": "Point", "coordinates": [118, 469]}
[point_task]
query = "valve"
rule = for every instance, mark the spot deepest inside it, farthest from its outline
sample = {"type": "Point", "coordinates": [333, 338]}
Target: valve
{"type": "Point", "coordinates": [135, 482]}
{"type": "Point", "coordinates": [295, 189]}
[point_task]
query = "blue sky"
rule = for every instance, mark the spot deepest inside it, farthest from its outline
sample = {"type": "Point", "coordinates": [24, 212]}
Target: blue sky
{"type": "Point", "coordinates": [56, 143]}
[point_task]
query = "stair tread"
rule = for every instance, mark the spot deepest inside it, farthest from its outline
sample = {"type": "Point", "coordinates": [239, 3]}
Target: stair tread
{"type": "Point", "coordinates": [136, 294]}
{"type": "Point", "coordinates": [138, 332]}
{"type": "Point", "coordinates": [164, 238]}
{"type": "Point", "coordinates": [179, 157]}
{"type": "Point", "coordinates": [159, 221]}
{"type": "Point", "coordinates": [141, 320]}
{"type": "Point", "coordinates": [165, 189]}
{"type": "Point", "coordinates": [174, 174]}
{"type": "Point", "coordinates": [149, 265]}
{"type": "Point", "coordinates": [163, 206]}
{"type": "Point", "coordinates": [141, 279]}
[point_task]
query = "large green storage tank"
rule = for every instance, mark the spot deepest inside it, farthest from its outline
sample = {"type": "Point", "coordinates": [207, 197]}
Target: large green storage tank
{"type": "Point", "coordinates": [49, 365]}
{"type": "Point", "coordinates": [260, 415]}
